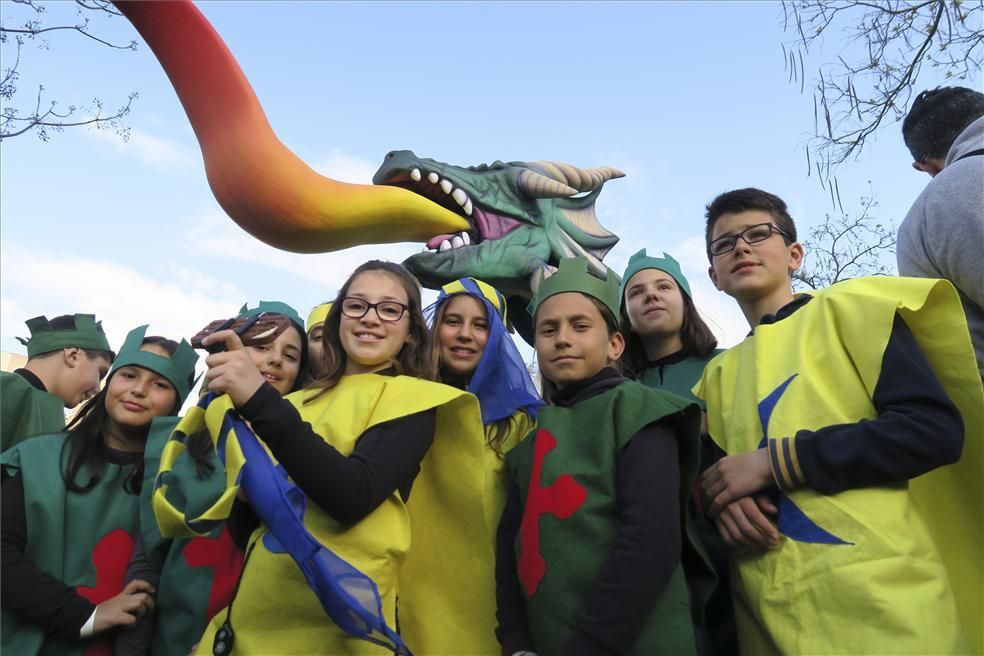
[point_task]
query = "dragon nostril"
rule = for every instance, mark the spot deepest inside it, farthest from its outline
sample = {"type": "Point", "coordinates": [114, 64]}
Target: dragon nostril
{"type": "Point", "coordinates": [390, 154]}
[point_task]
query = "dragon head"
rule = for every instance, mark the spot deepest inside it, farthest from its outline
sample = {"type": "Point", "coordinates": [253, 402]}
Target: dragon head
{"type": "Point", "coordinates": [522, 216]}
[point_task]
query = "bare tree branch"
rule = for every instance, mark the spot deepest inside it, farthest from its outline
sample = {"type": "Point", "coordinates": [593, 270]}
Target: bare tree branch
{"type": "Point", "coordinates": [885, 46]}
{"type": "Point", "coordinates": [846, 247]}
{"type": "Point", "coordinates": [46, 117]}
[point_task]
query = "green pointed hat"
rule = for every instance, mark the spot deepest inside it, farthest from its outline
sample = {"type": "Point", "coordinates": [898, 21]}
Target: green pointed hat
{"type": "Point", "coordinates": [640, 261]}
{"type": "Point", "coordinates": [178, 368]}
{"type": "Point", "coordinates": [574, 274]}
{"type": "Point", "coordinates": [87, 334]}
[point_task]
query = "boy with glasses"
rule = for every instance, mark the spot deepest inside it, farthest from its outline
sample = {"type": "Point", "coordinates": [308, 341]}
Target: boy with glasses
{"type": "Point", "coordinates": [837, 422]}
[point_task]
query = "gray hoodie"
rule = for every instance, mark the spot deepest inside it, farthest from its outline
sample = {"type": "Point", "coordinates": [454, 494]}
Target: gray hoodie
{"type": "Point", "coordinates": [942, 236]}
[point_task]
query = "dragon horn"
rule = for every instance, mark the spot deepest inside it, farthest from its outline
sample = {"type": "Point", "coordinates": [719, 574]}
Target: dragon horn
{"type": "Point", "coordinates": [575, 176]}
{"type": "Point", "coordinates": [259, 182]}
{"type": "Point", "coordinates": [536, 185]}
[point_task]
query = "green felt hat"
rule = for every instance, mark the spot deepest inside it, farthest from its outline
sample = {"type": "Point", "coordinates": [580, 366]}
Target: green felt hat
{"type": "Point", "coordinates": [574, 274]}
{"type": "Point", "coordinates": [274, 307]}
{"type": "Point", "coordinates": [640, 261]}
{"type": "Point", "coordinates": [178, 368]}
{"type": "Point", "coordinates": [87, 334]}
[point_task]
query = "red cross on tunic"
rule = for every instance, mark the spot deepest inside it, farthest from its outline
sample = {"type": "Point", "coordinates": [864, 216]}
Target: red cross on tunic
{"type": "Point", "coordinates": [561, 499]}
{"type": "Point", "coordinates": [226, 561]}
{"type": "Point", "coordinates": [111, 556]}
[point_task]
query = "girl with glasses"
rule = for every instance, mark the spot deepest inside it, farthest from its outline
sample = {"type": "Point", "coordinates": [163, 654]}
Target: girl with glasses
{"type": "Point", "coordinates": [351, 444]}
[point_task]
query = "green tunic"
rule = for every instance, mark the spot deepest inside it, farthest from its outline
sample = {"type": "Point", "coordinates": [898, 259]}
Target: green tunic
{"type": "Point", "coordinates": [197, 575]}
{"type": "Point", "coordinates": [566, 472]}
{"type": "Point", "coordinates": [84, 540]}
{"type": "Point", "coordinates": [26, 411]}
{"type": "Point", "coordinates": [679, 377]}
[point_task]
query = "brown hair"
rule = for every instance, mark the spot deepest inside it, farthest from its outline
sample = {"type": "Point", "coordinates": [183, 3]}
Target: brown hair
{"type": "Point", "coordinates": [85, 439]}
{"type": "Point", "coordinates": [547, 387]}
{"type": "Point", "coordinates": [497, 431]}
{"type": "Point", "coordinates": [414, 359]}
{"type": "Point", "coordinates": [697, 338]}
{"type": "Point", "coordinates": [743, 200]}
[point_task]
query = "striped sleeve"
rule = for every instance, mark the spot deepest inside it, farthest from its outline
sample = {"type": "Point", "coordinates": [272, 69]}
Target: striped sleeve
{"type": "Point", "coordinates": [785, 463]}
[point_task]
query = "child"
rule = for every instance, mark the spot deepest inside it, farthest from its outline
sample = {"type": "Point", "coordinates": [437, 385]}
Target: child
{"type": "Point", "coordinates": [351, 444]}
{"type": "Point", "coordinates": [66, 359]}
{"type": "Point", "coordinates": [667, 347]}
{"type": "Point", "coordinates": [837, 416]}
{"type": "Point", "coordinates": [589, 543]}
{"type": "Point", "coordinates": [667, 344]}
{"type": "Point", "coordinates": [71, 506]}
{"type": "Point", "coordinates": [315, 332]}
{"type": "Point", "coordinates": [455, 520]}
{"type": "Point", "coordinates": [196, 577]}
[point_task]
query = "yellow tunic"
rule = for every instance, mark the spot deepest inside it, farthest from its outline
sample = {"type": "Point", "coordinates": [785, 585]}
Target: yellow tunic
{"type": "Point", "coordinates": [901, 571]}
{"type": "Point", "coordinates": [274, 611]}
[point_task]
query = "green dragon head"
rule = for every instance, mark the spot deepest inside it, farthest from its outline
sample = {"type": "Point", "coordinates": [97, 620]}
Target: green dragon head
{"type": "Point", "coordinates": [524, 217]}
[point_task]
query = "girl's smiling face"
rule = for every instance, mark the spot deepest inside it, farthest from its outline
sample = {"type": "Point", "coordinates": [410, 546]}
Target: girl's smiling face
{"type": "Point", "coordinates": [462, 334]}
{"type": "Point", "coordinates": [136, 395]}
{"type": "Point", "coordinates": [370, 343]}
{"type": "Point", "coordinates": [279, 361]}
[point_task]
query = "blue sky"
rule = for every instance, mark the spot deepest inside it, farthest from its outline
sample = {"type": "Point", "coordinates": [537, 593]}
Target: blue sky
{"type": "Point", "coordinates": [689, 99]}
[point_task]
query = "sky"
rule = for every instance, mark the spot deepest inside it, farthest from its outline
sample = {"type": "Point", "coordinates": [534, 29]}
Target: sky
{"type": "Point", "coordinates": [689, 99]}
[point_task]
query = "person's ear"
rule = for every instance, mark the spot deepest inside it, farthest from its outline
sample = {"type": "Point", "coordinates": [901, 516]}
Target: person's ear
{"type": "Point", "coordinates": [616, 345]}
{"type": "Point", "coordinates": [71, 356]}
{"type": "Point", "coordinates": [796, 255]}
{"type": "Point", "coordinates": [713, 277]}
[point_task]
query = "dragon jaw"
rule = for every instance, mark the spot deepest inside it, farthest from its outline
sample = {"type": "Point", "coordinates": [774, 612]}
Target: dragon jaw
{"type": "Point", "coordinates": [519, 220]}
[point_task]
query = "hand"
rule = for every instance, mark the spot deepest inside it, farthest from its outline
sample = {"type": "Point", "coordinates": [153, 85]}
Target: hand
{"type": "Point", "coordinates": [733, 477]}
{"type": "Point", "coordinates": [744, 526]}
{"type": "Point", "coordinates": [125, 608]}
{"type": "Point", "coordinates": [232, 371]}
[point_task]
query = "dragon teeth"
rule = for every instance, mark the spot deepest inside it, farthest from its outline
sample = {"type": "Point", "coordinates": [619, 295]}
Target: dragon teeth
{"type": "Point", "coordinates": [415, 175]}
{"type": "Point", "coordinates": [467, 206]}
{"type": "Point", "coordinates": [445, 245]}
{"type": "Point", "coordinates": [466, 240]}
{"type": "Point", "coordinates": [457, 242]}
{"type": "Point", "coordinates": [433, 178]}
{"type": "Point", "coordinates": [459, 196]}
{"type": "Point", "coordinates": [446, 186]}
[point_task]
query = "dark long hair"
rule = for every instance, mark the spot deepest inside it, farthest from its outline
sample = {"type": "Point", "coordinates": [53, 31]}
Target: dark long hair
{"type": "Point", "coordinates": [548, 389]}
{"type": "Point", "coordinates": [497, 431]}
{"type": "Point", "coordinates": [414, 359]}
{"type": "Point", "coordinates": [697, 338]}
{"type": "Point", "coordinates": [85, 440]}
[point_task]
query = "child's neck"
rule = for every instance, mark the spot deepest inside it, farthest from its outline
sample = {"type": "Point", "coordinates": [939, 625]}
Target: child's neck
{"type": "Point", "coordinates": [660, 347]}
{"type": "Point", "coordinates": [756, 308]}
{"type": "Point", "coordinates": [125, 438]}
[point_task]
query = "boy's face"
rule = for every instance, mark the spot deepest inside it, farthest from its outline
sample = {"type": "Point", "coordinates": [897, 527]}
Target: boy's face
{"type": "Point", "coordinates": [572, 341]}
{"type": "Point", "coordinates": [753, 270]}
{"type": "Point", "coordinates": [81, 378]}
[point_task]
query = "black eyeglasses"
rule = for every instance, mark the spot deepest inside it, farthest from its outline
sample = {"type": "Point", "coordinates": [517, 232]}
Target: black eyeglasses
{"type": "Point", "coordinates": [354, 307]}
{"type": "Point", "coordinates": [750, 235]}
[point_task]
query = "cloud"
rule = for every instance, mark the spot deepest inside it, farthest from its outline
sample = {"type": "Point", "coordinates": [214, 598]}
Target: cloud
{"type": "Point", "coordinates": [346, 168]}
{"type": "Point", "coordinates": [213, 234]}
{"type": "Point", "coordinates": [159, 153]}
{"type": "Point", "coordinates": [175, 300]}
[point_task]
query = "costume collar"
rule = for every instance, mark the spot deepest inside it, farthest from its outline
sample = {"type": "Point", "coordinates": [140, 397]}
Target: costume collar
{"type": "Point", "coordinates": [582, 390]}
{"type": "Point", "coordinates": [31, 378]}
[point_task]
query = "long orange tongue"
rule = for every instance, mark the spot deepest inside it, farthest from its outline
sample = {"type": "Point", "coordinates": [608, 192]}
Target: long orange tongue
{"type": "Point", "coordinates": [258, 181]}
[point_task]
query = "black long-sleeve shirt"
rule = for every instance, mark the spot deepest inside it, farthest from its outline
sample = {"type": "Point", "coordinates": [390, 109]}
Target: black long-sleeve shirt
{"type": "Point", "coordinates": [918, 428]}
{"type": "Point", "coordinates": [25, 589]}
{"type": "Point", "coordinates": [646, 552]}
{"type": "Point", "coordinates": [347, 488]}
